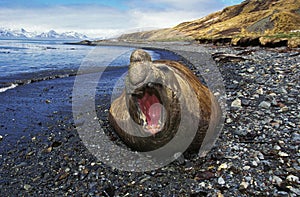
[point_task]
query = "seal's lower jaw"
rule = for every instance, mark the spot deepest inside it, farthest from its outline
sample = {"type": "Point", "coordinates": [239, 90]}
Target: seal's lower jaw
{"type": "Point", "coordinates": [149, 108]}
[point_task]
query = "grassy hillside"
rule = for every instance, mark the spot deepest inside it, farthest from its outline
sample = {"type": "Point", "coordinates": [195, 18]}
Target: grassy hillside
{"type": "Point", "coordinates": [252, 16]}
{"type": "Point", "coordinates": [267, 19]}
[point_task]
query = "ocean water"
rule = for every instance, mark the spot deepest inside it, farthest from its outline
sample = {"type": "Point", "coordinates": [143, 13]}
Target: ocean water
{"type": "Point", "coordinates": [26, 61]}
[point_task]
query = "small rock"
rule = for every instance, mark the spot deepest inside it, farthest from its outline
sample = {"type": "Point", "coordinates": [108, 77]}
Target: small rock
{"type": "Point", "coordinates": [292, 124]}
{"type": "Point", "coordinates": [229, 120]}
{"type": "Point", "coordinates": [63, 175]}
{"type": "Point", "coordinates": [47, 101]}
{"type": "Point", "coordinates": [22, 164]}
{"type": "Point", "coordinates": [282, 90]}
{"type": "Point", "coordinates": [245, 102]}
{"type": "Point", "coordinates": [283, 154]}
{"type": "Point", "coordinates": [295, 190]}
{"type": "Point", "coordinates": [1, 137]}
{"type": "Point", "coordinates": [276, 147]}
{"type": "Point", "coordinates": [56, 144]}
{"type": "Point", "coordinates": [277, 180]}
{"type": "Point", "coordinates": [248, 178]}
{"type": "Point", "coordinates": [254, 163]}
{"type": "Point", "coordinates": [284, 109]}
{"type": "Point", "coordinates": [221, 181]}
{"type": "Point", "coordinates": [292, 178]}
{"type": "Point", "coordinates": [27, 187]}
{"type": "Point", "coordinates": [260, 91]}
{"type": "Point", "coordinates": [48, 150]}
{"type": "Point", "coordinates": [236, 103]}
{"type": "Point", "coordinates": [260, 155]}
{"type": "Point", "coordinates": [265, 105]}
{"type": "Point", "coordinates": [295, 137]}
{"type": "Point", "coordinates": [241, 132]}
{"type": "Point", "coordinates": [223, 166]}
{"type": "Point", "coordinates": [244, 185]}
{"type": "Point", "coordinates": [204, 176]}
{"type": "Point", "coordinates": [246, 168]}
{"type": "Point", "coordinates": [251, 69]}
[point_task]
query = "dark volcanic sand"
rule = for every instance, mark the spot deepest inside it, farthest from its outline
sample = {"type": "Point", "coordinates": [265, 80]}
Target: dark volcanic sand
{"type": "Point", "coordinates": [257, 153]}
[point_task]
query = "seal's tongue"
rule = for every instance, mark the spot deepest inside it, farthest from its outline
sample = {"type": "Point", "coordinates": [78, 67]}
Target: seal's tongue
{"type": "Point", "coordinates": [151, 107]}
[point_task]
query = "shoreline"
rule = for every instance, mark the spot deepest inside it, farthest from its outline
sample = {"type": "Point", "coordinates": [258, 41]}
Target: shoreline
{"type": "Point", "coordinates": [256, 153]}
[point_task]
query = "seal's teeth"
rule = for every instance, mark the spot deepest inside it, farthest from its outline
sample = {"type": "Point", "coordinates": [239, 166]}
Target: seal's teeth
{"type": "Point", "coordinates": [158, 126]}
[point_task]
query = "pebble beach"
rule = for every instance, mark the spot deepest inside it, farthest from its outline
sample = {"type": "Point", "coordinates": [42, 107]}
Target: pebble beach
{"type": "Point", "coordinates": [256, 154]}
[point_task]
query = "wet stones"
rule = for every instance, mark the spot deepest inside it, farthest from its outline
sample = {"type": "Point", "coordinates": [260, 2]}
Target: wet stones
{"type": "Point", "coordinates": [265, 105]}
{"type": "Point", "coordinates": [257, 154]}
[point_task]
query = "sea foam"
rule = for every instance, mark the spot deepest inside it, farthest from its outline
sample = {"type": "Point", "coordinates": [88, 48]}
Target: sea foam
{"type": "Point", "coordinates": [12, 86]}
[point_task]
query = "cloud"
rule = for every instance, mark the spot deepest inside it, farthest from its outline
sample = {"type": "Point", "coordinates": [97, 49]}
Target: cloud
{"type": "Point", "coordinates": [107, 21]}
{"type": "Point", "coordinates": [61, 18]}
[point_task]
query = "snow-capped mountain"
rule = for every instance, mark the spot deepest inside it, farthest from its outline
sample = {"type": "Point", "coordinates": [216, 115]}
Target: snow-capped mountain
{"type": "Point", "coordinates": [22, 33]}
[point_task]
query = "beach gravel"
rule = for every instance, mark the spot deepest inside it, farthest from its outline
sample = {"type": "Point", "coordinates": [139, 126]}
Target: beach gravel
{"type": "Point", "coordinates": [257, 153]}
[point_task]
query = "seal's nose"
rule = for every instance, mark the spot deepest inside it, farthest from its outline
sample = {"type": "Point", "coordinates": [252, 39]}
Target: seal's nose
{"type": "Point", "coordinates": [140, 66]}
{"type": "Point", "coordinates": [140, 55]}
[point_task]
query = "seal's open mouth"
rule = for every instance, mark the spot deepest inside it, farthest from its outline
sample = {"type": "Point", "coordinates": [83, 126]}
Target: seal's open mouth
{"type": "Point", "coordinates": [149, 104]}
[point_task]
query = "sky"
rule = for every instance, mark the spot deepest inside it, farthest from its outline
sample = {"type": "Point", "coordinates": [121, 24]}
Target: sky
{"type": "Point", "coordinates": [103, 18]}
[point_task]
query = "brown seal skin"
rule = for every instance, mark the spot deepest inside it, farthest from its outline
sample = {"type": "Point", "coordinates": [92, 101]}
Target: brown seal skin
{"type": "Point", "coordinates": [159, 98]}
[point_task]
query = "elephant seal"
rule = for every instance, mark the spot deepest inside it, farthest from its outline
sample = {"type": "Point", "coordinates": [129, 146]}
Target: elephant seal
{"type": "Point", "coordinates": [161, 97]}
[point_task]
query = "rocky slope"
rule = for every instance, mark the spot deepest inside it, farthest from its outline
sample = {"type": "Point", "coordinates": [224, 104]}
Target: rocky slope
{"type": "Point", "coordinates": [263, 22]}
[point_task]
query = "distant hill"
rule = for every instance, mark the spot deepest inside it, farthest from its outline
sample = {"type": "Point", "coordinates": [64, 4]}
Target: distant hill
{"type": "Point", "coordinates": [251, 22]}
{"type": "Point", "coordinates": [22, 33]}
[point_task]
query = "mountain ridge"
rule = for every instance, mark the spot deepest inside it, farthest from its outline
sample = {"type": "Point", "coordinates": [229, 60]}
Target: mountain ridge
{"type": "Point", "coordinates": [52, 34]}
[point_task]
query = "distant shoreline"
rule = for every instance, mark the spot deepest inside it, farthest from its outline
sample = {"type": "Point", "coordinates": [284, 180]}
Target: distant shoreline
{"type": "Point", "coordinates": [263, 42]}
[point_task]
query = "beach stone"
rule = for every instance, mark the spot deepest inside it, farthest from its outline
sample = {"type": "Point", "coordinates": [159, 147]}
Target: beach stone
{"type": "Point", "coordinates": [27, 187]}
{"type": "Point", "coordinates": [206, 175]}
{"type": "Point", "coordinates": [296, 137]}
{"type": "Point", "coordinates": [245, 102]}
{"type": "Point", "coordinates": [265, 105]}
{"type": "Point", "coordinates": [244, 185]}
{"type": "Point", "coordinates": [282, 90]}
{"type": "Point", "coordinates": [237, 103]}
{"type": "Point", "coordinates": [229, 120]}
{"type": "Point", "coordinates": [246, 168]}
{"type": "Point", "coordinates": [254, 164]}
{"type": "Point", "coordinates": [284, 109]}
{"type": "Point", "coordinates": [221, 181]}
{"type": "Point", "coordinates": [276, 147]}
{"type": "Point", "coordinates": [241, 132]}
{"type": "Point", "coordinates": [292, 178]}
{"type": "Point", "coordinates": [260, 91]}
{"type": "Point", "coordinates": [283, 154]}
{"type": "Point", "coordinates": [251, 69]}
{"type": "Point", "coordinates": [277, 180]}
{"type": "Point", "coordinates": [295, 190]}
{"type": "Point", "coordinates": [223, 166]}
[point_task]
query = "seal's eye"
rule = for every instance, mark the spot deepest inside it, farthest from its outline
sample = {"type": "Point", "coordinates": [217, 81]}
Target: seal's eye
{"type": "Point", "coordinates": [150, 107]}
